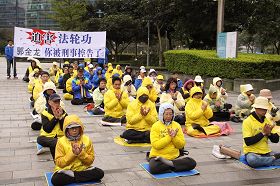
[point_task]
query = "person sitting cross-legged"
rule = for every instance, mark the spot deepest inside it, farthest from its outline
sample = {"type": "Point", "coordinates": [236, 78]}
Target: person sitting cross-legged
{"type": "Point", "coordinates": [167, 141]}
{"type": "Point", "coordinates": [74, 155]}
{"type": "Point", "coordinates": [198, 113]}
{"type": "Point", "coordinates": [115, 102]}
{"type": "Point", "coordinates": [256, 131]}
{"type": "Point", "coordinates": [81, 86]}
{"type": "Point", "coordinates": [141, 115]}
{"type": "Point", "coordinates": [52, 123]}
{"type": "Point", "coordinates": [98, 97]}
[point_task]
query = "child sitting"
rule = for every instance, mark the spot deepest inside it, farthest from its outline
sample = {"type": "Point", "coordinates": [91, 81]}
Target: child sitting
{"type": "Point", "coordinates": [74, 155]}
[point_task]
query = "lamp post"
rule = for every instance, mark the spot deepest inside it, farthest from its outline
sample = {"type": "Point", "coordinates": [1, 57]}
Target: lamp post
{"type": "Point", "coordinates": [220, 17]}
{"type": "Point", "coordinates": [148, 47]}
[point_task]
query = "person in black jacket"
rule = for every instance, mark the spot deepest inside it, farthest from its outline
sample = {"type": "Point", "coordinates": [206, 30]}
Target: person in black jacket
{"type": "Point", "coordinates": [52, 124]}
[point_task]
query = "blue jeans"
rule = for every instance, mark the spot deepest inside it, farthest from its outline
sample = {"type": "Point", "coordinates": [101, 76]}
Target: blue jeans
{"type": "Point", "coordinates": [257, 160]}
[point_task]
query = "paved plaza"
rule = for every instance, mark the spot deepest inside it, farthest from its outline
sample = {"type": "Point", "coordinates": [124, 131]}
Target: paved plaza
{"type": "Point", "coordinates": [20, 166]}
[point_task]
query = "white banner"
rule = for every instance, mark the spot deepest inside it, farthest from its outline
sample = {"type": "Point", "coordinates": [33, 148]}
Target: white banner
{"type": "Point", "coordinates": [58, 44]}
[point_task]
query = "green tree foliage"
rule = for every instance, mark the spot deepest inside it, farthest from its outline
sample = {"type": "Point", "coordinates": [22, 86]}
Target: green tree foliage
{"type": "Point", "coordinates": [69, 13]}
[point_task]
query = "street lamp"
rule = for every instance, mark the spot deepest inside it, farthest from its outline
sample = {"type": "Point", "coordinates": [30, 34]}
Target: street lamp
{"type": "Point", "coordinates": [220, 17]}
{"type": "Point", "coordinates": [148, 47]}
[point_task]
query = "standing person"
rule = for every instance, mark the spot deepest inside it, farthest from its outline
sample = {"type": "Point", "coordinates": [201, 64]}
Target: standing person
{"type": "Point", "coordinates": [167, 140]}
{"type": "Point", "coordinates": [256, 131]}
{"type": "Point", "coordinates": [9, 53]}
{"type": "Point", "coordinates": [74, 155]}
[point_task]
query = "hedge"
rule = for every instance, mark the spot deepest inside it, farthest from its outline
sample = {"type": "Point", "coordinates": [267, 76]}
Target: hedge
{"type": "Point", "coordinates": [206, 63]}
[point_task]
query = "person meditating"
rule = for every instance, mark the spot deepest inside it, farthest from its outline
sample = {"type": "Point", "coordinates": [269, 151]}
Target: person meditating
{"type": "Point", "coordinates": [167, 140]}
{"type": "Point", "coordinates": [141, 115]}
{"type": "Point", "coordinates": [115, 102]}
{"type": "Point", "coordinates": [198, 113]}
{"type": "Point", "coordinates": [52, 123]}
{"type": "Point", "coordinates": [74, 155]}
{"type": "Point", "coordinates": [256, 131]}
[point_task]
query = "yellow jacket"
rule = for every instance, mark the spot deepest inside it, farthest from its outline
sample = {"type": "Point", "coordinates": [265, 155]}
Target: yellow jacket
{"type": "Point", "coordinates": [56, 131]}
{"type": "Point", "coordinates": [38, 88]}
{"type": "Point", "coordinates": [112, 106]}
{"type": "Point", "coordinates": [134, 118]}
{"type": "Point", "coordinates": [180, 102]}
{"type": "Point", "coordinates": [119, 71]}
{"type": "Point", "coordinates": [153, 95]}
{"type": "Point", "coordinates": [162, 144]}
{"type": "Point", "coordinates": [194, 113]}
{"type": "Point", "coordinates": [65, 159]}
{"type": "Point", "coordinates": [69, 84]}
{"type": "Point", "coordinates": [108, 76]}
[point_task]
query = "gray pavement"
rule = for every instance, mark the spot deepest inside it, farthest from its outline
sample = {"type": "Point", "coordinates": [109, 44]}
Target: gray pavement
{"type": "Point", "coordinates": [19, 164]}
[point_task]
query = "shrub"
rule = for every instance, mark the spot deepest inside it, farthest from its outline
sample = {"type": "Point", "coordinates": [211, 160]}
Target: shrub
{"type": "Point", "coordinates": [206, 62]}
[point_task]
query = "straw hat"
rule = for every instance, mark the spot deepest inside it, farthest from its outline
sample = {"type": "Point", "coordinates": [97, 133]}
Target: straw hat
{"type": "Point", "coordinates": [266, 93]}
{"type": "Point", "coordinates": [261, 103]}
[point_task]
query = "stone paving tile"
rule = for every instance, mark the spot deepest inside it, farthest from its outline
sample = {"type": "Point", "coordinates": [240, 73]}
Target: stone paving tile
{"type": "Point", "coordinates": [19, 164]}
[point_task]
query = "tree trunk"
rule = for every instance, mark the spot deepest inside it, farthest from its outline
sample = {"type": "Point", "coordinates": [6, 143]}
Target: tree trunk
{"type": "Point", "coordinates": [136, 50]}
{"type": "Point", "coordinates": [160, 46]}
{"type": "Point", "coordinates": [116, 53]}
{"type": "Point", "coordinates": [277, 47]}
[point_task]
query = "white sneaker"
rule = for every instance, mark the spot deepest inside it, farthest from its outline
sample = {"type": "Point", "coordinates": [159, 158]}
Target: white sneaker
{"type": "Point", "coordinates": [216, 152]}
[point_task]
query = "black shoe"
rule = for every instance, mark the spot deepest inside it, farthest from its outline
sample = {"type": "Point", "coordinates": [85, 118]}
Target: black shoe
{"type": "Point", "coordinates": [235, 119]}
{"type": "Point", "coordinates": [277, 155]}
{"type": "Point", "coordinates": [198, 127]}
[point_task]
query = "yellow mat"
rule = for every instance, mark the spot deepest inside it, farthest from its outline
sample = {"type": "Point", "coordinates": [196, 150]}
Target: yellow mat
{"type": "Point", "coordinates": [121, 141]}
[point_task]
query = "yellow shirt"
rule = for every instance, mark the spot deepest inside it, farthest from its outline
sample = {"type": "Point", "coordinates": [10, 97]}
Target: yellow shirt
{"type": "Point", "coordinates": [162, 144]}
{"type": "Point", "coordinates": [250, 128]}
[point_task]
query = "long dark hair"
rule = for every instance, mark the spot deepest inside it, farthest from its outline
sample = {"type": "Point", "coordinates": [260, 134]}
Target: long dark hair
{"type": "Point", "coordinates": [169, 81]}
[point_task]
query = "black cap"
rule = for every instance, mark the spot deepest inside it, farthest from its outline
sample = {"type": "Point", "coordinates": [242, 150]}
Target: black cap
{"type": "Point", "coordinates": [54, 97]}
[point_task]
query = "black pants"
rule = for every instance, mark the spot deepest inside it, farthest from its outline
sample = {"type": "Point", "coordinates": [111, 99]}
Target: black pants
{"type": "Point", "coordinates": [97, 111]}
{"type": "Point", "coordinates": [48, 142]}
{"type": "Point", "coordinates": [111, 119]}
{"type": "Point", "coordinates": [137, 136]}
{"type": "Point", "coordinates": [220, 116]}
{"type": "Point", "coordinates": [11, 63]}
{"type": "Point", "coordinates": [181, 119]}
{"type": "Point", "coordinates": [180, 164]}
{"type": "Point", "coordinates": [81, 101]}
{"type": "Point", "coordinates": [36, 125]}
{"type": "Point", "coordinates": [95, 174]}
